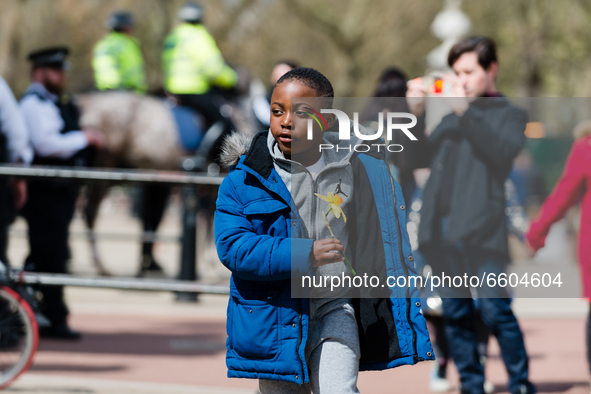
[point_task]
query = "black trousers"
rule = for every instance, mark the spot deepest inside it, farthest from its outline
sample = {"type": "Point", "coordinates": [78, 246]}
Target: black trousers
{"type": "Point", "coordinates": [49, 211]}
{"type": "Point", "coordinates": [206, 104]}
{"type": "Point", "coordinates": [209, 105]}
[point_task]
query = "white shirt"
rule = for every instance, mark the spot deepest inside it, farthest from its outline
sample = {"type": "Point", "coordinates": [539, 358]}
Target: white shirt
{"type": "Point", "coordinates": [262, 110]}
{"type": "Point", "coordinates": [315, 168]}
{"type": "Point", "coordinates": [45, 123]}
{"type": "Point", "coordinates": [13, 126]}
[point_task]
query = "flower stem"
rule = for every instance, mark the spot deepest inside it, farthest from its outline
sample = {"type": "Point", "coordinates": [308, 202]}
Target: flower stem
{"type": "Point", "coordinates": [332, 235]}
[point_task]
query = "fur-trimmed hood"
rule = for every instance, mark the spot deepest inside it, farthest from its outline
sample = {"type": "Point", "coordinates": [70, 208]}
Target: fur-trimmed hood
{"type": "Point", "coordinates": [234, 146]}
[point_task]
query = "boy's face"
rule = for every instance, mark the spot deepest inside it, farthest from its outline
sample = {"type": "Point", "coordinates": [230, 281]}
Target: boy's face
{"type": "Point", "coordinates": [289, 125]}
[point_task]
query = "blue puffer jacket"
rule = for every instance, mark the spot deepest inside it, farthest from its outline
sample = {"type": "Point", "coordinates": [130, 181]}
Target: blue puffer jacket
{"type": "Point", "coordinates": [254, 224]}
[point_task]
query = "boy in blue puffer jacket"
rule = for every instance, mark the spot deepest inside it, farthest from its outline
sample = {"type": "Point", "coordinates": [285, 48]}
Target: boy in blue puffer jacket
{"type": "Point", "coordinates": [269, 227]}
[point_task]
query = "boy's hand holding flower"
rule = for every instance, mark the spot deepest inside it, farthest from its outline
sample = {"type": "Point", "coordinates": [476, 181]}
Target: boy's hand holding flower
{"type": "Point", "coordinates": [327, 251]}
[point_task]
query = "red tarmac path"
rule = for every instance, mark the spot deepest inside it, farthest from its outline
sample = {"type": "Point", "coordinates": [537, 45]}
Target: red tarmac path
{"type": "Point", "coordinates": [188, 350]}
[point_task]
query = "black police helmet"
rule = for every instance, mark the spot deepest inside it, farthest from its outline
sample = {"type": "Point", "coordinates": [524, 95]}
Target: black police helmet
{"type": "Point", "coordinates": [120, 20]}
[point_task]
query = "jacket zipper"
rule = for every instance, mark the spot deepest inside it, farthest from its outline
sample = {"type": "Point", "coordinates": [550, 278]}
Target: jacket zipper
{"type": "Point", "coordinates": [300, 336]}
{"type": "Point", "coordinates": [300, 328]}
{"type": "Point", "coordinates": [404, 267]}
{"type": "Point", "coordinates": [314, 207]}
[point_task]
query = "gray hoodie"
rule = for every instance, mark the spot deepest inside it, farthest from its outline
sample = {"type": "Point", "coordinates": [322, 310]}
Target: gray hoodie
{"type": "Point", "coordinates": [336, 177]}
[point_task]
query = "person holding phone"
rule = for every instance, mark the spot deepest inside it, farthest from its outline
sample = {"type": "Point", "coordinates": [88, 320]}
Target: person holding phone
{"type": "Point", "coordinates": [463, 227]}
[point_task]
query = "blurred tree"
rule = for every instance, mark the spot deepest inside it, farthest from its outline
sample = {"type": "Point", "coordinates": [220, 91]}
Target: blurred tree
{"type": "Point", "coordinates": [9, 19]}
{"type": "Point", "coordinates": [544, 45]}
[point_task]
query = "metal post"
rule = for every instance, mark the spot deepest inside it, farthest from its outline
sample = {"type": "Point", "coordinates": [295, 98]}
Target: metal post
{"type": "Point", "coordinates": [188, 269]}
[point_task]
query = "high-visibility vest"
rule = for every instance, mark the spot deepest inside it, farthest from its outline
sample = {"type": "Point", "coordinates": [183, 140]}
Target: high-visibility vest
{"type": "Point", "coordinates": [192, 62]}
{"type": "Point", "coordinates": [118, 64]}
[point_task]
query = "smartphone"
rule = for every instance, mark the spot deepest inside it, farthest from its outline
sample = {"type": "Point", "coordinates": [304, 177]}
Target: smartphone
{"type": "Point", "coordinates": [438, 86]}
{"type": "Point", "coordinates": [434, 85]}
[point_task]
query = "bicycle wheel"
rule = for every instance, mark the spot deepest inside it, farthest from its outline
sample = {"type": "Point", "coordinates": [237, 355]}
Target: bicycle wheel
{"type": "Point", "coordinates": [19, 336]}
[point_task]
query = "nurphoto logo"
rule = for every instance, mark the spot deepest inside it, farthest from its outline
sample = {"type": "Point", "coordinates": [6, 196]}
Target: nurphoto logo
{"type": "Point", "coordinates": [392, 124]}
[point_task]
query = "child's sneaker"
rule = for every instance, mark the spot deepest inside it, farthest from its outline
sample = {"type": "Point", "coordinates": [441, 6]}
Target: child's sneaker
{"type": "Point", "coordinates": [438, 383]}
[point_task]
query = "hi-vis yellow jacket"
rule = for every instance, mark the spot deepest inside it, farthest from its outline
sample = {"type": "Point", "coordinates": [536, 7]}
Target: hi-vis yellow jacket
{"type": "Point", "coordinates": [192, 62]}
{"type": "Point", "coordinates": [118, 64]}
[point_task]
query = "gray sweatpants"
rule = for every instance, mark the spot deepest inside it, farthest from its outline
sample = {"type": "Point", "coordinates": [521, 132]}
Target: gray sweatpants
{"type": "Point", "coordinates": [332, 352]}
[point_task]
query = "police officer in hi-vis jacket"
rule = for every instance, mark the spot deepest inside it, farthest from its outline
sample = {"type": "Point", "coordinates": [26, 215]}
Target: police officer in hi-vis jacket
{"type": "Point", "coordinates": [118, 63]}
{"type": "Point", "coordinates": [193, 64]}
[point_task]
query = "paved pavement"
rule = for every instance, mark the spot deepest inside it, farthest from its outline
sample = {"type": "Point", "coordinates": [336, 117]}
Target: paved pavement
{"type": "Point", "coordinates": [137, 342]}
{"type": "Point", "coordinates": [146, 342]}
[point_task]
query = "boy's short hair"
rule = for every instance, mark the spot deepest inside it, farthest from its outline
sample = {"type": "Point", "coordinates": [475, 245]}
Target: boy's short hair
{"type": "Point", "coordinates": [310, 77]}
{"type": "Point", "coordinates": [484, 47]}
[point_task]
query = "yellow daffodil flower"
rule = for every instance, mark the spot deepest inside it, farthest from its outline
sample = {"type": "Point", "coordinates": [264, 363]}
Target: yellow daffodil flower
{"type": "Point", "coordinates": [333, 203]}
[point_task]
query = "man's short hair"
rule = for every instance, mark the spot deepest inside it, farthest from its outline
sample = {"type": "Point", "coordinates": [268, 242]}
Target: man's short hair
{"type": "Point", "coordinates": [484, 47]}
{"type": "Point", "coordinates": [288, 62]}
{"type": "Point", "coordinates": [310, 77]}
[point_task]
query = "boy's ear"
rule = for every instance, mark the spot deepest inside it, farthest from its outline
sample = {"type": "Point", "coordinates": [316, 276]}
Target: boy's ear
{"type": "Point", "coordinates": [330, 119]}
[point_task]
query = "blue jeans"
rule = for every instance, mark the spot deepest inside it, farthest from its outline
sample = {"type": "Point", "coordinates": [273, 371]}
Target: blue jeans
{"type": "Point", "coordinates": [495, 309]}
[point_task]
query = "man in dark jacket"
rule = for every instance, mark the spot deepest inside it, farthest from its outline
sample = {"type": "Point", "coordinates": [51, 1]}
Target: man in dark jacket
{"type": "Point", "coordinates": [463, 224]}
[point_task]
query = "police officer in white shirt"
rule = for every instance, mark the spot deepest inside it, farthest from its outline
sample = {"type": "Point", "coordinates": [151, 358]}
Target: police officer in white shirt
{"type": "Point", "coordinates": [53, 123]}
{"type": "Point", "coordinates": [14, 148]}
